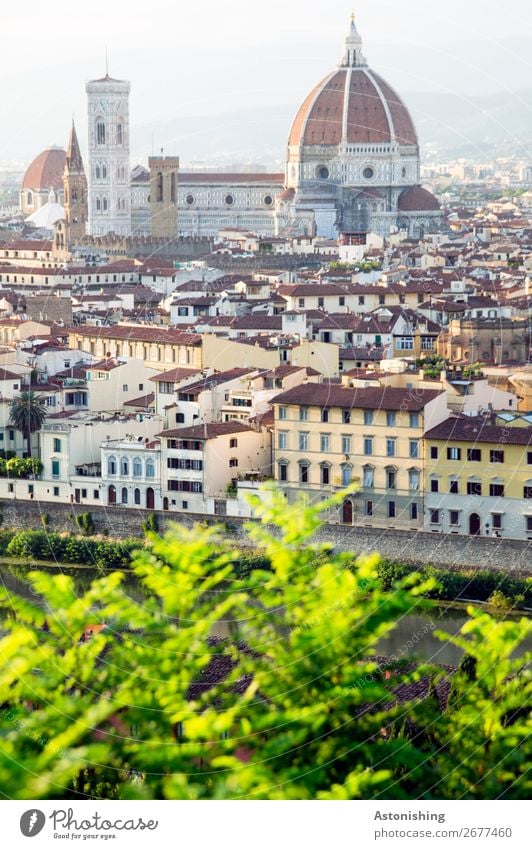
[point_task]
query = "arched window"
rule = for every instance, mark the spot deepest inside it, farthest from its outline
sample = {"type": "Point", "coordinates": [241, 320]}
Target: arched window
{"type": "Point", "coordinates": [172, 188]}
{"type": "Point", "coordinates": [124, 466]}
{"type": "Point", "coordinates": [111, 465]}
{"type": "Point", "coordinates": [368, 477]}
{"type": "Point", "coordinates": [98, 205]}
{"type": "Point", "coordinates": [100, 131]}
{"type": "Point", "coordinates": [150, 469]}
{"type": "Point", "coordinates": [29, 199]}
{"type": "Point", "coordinates": [347, 474]}
{"type": "Point", "coordinates": [104, 172]}
{"type": "Point", "coordinates": [413, 480]}
{"type": "Point", "coordinates": [282, 470]}
{"type": "Point", "coordinates": [391, 477]}
{"type": "Point", "coordinates": [119, 134]}
{"type": "Point", "coordinates": [137, 468]}
{"type": "Point", "coordinates": [74, 195]}
{"type": "Point", "coordinates": [159, 187]}
{"type": "Point", "coordinates": [104, 205]}
{"type": "Point", "coordinates": [124, 495]}
{"type": "Point", "coordinates": [136, 496]}
{"type": "Point", "coordinates": [97, 172]}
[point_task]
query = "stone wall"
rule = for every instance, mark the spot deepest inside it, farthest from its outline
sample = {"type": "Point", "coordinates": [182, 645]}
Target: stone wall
{"type": "Point", "coordinates": [418, 548]}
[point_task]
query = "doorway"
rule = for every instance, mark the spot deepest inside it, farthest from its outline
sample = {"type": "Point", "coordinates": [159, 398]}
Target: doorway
{"type": "Point", "coordinates": [474, 525]}
{"type": "Point", "coordinates": [347, 513]}
{"type": "Point", "coordinates": [150, 498]}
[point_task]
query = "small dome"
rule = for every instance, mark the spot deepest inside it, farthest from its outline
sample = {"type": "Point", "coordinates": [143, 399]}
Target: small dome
{"type": "Point", "coordinates": [46, 170]}
{"type": "Point", "coordinates": [417, 199]}
{"type": "Point", "coordinates": [286, 195]}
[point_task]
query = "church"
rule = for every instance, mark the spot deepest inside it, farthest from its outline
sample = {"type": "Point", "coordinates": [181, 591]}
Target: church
{"type": "Point", "coordinates": [352, 168]}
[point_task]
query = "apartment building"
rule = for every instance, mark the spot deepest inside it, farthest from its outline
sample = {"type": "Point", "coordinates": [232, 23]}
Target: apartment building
{"type": "Point", "coordinates": [478, 476]}
{"type": "Point", "coordinates": [329, 436]}
{"type": "Point", "coordinates": [159, 348]}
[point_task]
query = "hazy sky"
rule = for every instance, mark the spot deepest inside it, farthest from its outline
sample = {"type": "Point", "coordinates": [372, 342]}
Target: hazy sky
{"type": "Point", "coordinates": [207, 57]}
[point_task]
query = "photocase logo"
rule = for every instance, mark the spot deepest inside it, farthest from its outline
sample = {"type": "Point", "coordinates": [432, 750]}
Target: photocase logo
{"type": "Point", "coordinates": [32, 822]}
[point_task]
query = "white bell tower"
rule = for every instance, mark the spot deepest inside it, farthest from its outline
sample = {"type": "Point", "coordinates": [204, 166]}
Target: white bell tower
{"type": "Point", "coordinates": [109, 166]}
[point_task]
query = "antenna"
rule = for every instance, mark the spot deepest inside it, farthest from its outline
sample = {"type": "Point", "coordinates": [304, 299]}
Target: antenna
{"type": "Point", "coordinates": [106, 62]}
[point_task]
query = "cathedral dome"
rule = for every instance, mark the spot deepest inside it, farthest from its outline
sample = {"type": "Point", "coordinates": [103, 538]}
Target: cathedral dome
{"type": "Point", "coordinates": [46, 170]}
{"type": "Point", "coordinates": [417, 199]}
{"type": "Point", "coordinates": [353, 105]}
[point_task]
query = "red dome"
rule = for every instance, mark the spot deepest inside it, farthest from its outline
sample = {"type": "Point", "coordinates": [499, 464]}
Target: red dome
{"type": "Point", "coordinates": [417, 199]}
{"type": "Point", "coordinates": [46, 170]}
{"type": "Point", "coordinates": [370, 109]}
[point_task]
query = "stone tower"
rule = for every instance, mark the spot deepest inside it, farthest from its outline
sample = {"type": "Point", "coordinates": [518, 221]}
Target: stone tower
{"type": "Point", "coordinates": [163, 196]}
{"type": "Point", "coordinates": [75, 192]}
{"type": "Point", "coordinates": [109, 177]}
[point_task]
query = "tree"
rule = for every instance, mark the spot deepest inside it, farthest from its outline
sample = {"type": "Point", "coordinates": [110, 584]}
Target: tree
{"type": "Point", "coordinates": [27, 412]}
{"type": "Point", "coordinates": [292, 703]}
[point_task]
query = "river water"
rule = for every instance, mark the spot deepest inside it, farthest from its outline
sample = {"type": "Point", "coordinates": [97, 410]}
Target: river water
{"type": "Point", "coordinates": [413, 636]}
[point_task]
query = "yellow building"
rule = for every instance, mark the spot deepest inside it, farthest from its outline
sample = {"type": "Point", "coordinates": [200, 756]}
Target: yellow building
{"type": "Point", "coordinates": [328, 436]}
{"type": "Point", "coordinates": [159, 348]}
{"type": "Point", "coordinates": [478, 476]}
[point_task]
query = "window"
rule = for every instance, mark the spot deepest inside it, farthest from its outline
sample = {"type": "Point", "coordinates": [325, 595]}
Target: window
{"type": "Point", "coordinates": [414, 449]}
{"type": "Point", "coordinates": [325, 443]}
{"type": "Point", "coordinates": [303, 441]}
{"type": "Point", "coordinates": [346, 444]}
{"type": "Point", "coordinates": [179, 418]}
{"type": "Point", "coordinates": [124, 466]}
{"type": "Point", "coordinates": [453, 487]}
{"type": "Point", "coordinates": [391, 419]}
{"type": "Point", "coordinates": [528, 524]}
{"type": "Point", "coordinates": [96, 494]}
{"type": "Point", "coordinates": [454, 517]}
{"type": "Point", "coordinates": [56, 491]}
{"type": "Point", "coordinates": [100, 132]}
{"type": "Point", "coordinates": [303, 472]}
{"type": "Point", "coordinates": [368, 508]}
{"type": "Point", "coordinates": [346, 416]}
{"type": "Point", "coordinates": [433, 452]}
{"type": "Point", "coordinates": [282, 413]}
{"type": "Point", "coordinates": [12, 435]}
{"type": "Point", "coordinates": [137, 468]}
{"type": "Point", "coordinates": [529, 458]}
{"type": "Point", "coordinates": [124, 495]}
{"type": "Point", "coordinates": [282, 439]}
{"type": "Point", "coordinates": [325, 415]}
{"type": "Point", "coordinates": [368, 417]}
{"type": "Point", "coordinates": [454, 453]}
{"type": "Point", "coordinates": [368, 445]}
{"type": "Point", "coordinates": [391, 478]}
{"type": "Point", "coordinates": [136, 496]}
{"type": "Point", "coordinates": [57, 446]}
{"type": "Point", "coordinates": [341, 301]}
{"type": "Point", "coordinates": [474, 488]}
{"type": "Point", "coordinates": [282, 471]}
{"type": "Point", "coordinates": [233, 443]}
{"type": "Point", "coordinates": [413, 511]}
{"type": "Point", "coordinates": [125, 387]}
{"type": "Point", "coordinates": [347, 472]}
{"type": "Point", "coordinates": [413, 480]}
{"type": "Point", "coordinates": [111, 466]}
{"type": "Point", "coordinates": [55, 468]}
{"type": "Point", "coordinates": [368, 477]}
{"type": "Point", "coordinates": [391, 509]}
{"type": "Point", "coordinates": [150, 469]}
{"type": "Point", "coordinates": [434, 517]}
{"type": "Point", "coordinates": [303, 414]}
{"type": "Point", "coordinates": [119, 134]}
{"type": "Point", "coordinates": [414, 419]}
{"type": "Point", "coordinates": [325, 473]}
{"type": "Point", "coordinates": [474, 455]}
{"type": "Point", "coordinates": [496, 521]}
{"type": "Point", "coordinates": [496, 456]}
{"type": "Point", "coordinates": [390, 447]}
{"type": "Point", "coordinates": [233, 462]}
{"type": "Point", "coordinates": [434, 485]}
{"type": "Point", "coordinates": [497, 490]}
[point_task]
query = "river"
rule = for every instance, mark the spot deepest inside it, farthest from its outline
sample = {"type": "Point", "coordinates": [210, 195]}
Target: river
{"type": "Point", "coordinates": [413, 636]}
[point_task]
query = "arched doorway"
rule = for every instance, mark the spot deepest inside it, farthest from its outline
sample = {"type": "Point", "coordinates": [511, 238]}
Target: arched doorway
{"type": "Point", "coordinates": [474, 525]}
{"type": "Point", "coordinates": [347, 512]}
{"type": "Point", "coordinates": [165, 503]}
{"type": "Point", "coordinates": [150, 498]}
{"type": "Point", "coordinates": [111, 495]}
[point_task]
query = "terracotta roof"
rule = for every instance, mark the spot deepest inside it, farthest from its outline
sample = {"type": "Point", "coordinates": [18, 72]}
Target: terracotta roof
{"type": "Point", "coordinates": [46, 170]}
{"type": "Point", "coordinates": [385, 398]}
{"type": "Point", "coordinates": [417, 199]}
{"type": "Point", "coordinates": [479, 429]}
{"type": "Point", "coordinates": [143, 401]}
{"type": "Point", "coordinates": [175, 374]}
{"type": "Point", "coordinates": [230, 177]}
{"type": "Point", "coordinates": [206, 431]}
{"type": "Point", "coordinates": [139, 333]}
{"type": "Point", "coordinates": [215, 379]}
{"type": "Point", "coordinates": [8, 375]}
{"type": "Point", "coordinates": [373, 112]}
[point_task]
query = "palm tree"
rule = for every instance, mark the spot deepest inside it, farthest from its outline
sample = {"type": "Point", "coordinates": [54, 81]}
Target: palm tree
{"type": "Point", "coordinates": [27, 413]}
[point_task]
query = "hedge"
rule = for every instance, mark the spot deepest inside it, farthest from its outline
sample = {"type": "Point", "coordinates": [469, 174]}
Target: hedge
{"type": "Point", "coordinates": [87, 551]}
